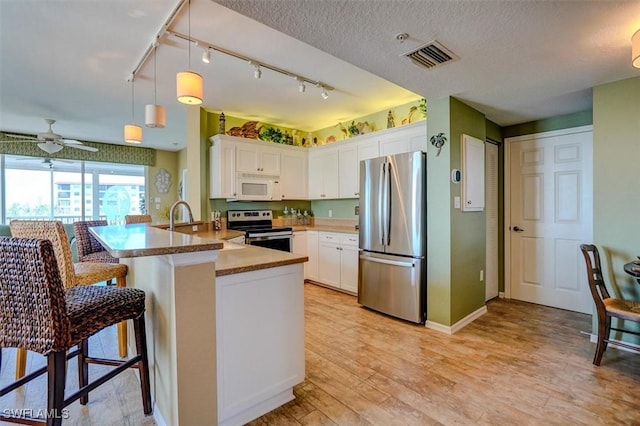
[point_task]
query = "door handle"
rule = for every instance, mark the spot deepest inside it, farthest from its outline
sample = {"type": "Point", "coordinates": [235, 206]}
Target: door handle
{"type": "Point", "coordinates": [518, 229]}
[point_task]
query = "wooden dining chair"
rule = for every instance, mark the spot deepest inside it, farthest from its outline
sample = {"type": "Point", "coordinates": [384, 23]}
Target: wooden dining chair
{"type": "Point", "coordinates": [39, 313]}
{"type": "Point", "coordinates": [137, 218]}
{"type": "Point", "coordinates": [607, 307]}
{"type": "Point", "coordinates": [72, 274]}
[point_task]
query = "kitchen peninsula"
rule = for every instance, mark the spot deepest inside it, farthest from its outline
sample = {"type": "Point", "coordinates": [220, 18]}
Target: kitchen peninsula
{"type": "Point", "coordinates": [225, 322]}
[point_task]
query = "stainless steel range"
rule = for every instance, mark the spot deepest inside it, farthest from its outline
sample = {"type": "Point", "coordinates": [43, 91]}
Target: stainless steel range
{"type": "Point", "coordinates": [259, 230]}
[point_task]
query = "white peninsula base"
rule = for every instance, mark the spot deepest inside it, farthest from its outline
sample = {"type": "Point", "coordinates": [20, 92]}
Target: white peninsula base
{"type": "Point", "coordinates": [229, 348]}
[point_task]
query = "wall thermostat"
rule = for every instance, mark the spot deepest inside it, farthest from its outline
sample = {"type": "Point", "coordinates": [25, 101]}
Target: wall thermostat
{"type": "Point", "coordinates": [455, 176]}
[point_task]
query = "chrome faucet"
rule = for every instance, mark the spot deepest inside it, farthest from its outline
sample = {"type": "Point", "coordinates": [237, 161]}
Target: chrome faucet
{"type": "Point", "coordinates": [172, 219]}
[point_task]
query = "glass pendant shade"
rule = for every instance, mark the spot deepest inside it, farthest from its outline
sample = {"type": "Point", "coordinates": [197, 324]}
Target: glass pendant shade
{"type": "Point", "coordinates": [189, 87]}
{"type": "Point", "coordinates": [132, 133]}
{"type": "Point", "coordinates": [635, 49]}
{"type": "Point", "coordinates": [155, 116]}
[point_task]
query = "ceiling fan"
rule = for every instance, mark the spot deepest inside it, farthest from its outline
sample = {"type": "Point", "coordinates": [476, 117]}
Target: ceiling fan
{"type": "Point", "coordinates": [46, 162]}
{"type": "Point", "coordinates": [51, 142]}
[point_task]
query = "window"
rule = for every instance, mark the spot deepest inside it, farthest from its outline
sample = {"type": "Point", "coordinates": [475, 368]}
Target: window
{"type": "Point", "coordinates": [62, 191]}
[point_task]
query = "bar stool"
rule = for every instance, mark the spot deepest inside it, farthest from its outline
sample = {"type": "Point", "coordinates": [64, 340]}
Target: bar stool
{"type": "Point", "coordinates": [137, 218]}
{"type": "Point", "coordinates": [89, 248]}
{"type": "Point", "coordinates": [39, 314]}
{"type": "Point", "coordinates": [81, 273]}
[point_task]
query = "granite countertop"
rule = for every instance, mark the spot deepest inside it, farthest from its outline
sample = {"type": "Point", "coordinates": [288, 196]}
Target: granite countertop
{"type": "Point", "coordinates": [326, 228]}
{"type": "Point", "coordinates": [236, 258]}
{"type": "Point", "coordinates": [138, 240]}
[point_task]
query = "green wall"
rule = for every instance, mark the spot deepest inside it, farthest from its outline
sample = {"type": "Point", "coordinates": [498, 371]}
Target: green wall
{"type": "Point", "coordinates": [567, 121]}
{"type": "Point", "coordinates": [616, 182]}
{"type": "Point", "coordinates": [277, 206]}
{"type": "Point", "coordinates": [342, 209]}
{"type": "Point", "coordinates": [439, 216]}
{"type": "Point", "coordinates": [468, 245]}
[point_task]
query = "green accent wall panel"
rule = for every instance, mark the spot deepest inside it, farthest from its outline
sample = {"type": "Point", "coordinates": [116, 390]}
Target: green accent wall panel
{"type": "Point", "coordinates": [567, 121]}
{"type": "Point", "coordinates": [467, 228]}
{"type": "Point", "coordinates": [439, 217]}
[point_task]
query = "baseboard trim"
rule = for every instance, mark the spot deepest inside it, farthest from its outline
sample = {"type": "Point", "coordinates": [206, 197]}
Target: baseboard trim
{"type": "Point", "coordinates": [501, 295]}
{"type": "Point", "coordinates": [157, 416]}
{"type": "Point", "coordinates": [459, 325]}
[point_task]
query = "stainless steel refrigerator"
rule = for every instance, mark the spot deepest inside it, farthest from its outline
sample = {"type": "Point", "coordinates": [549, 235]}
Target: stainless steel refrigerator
{"type": "Point", "coordinates": [392, 272]}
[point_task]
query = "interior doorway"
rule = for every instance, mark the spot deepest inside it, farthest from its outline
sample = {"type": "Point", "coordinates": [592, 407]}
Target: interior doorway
{"type": "Point", "coordinates": [548, 214]}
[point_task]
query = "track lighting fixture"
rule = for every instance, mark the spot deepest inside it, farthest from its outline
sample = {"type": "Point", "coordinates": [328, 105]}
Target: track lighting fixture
{"type": "Point", "coordinates": [206, 56]}
{"type": "Point", "coordinates": [301, 86]}
{"type": "Point", "coordinates": [324, 93]}
{"type": "Point", "coordinates": [257, 73]}
{"type": "Point", "coordinates": [155, 115]}
{"type": "Point", "coordinates": [188, 83]}
{"type": "Point", "coordinates": [132, 132]}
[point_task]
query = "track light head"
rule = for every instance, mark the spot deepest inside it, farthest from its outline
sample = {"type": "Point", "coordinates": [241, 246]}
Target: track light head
{"type": "Point", "coordinates": [206, 56]}
{"type": "Point", "coordinates": [301, 86]}
{"type": "Point", "coordinates": [257, 73]}
{"type": "Point", "coordinates": [324, 94]}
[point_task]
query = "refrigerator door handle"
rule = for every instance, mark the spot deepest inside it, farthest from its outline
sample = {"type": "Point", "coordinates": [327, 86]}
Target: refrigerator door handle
{"type": "Point", "coordinates": [387, 206]}
{"type": "Point", "coordinates": [381, 213]}
{"type": "Point", "coordinates": [388, 262]}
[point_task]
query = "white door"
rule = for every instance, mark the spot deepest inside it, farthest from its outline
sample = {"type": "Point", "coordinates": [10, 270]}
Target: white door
{"type": "Point", "coordinates": [551, 214]}
{"type": "Point", "coordinates": [491, 211]}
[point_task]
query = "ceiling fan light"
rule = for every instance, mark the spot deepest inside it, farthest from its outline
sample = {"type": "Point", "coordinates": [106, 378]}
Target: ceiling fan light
{"type": "Point", "coordinates": [155, 116]}
{"type": "Point", "coordinates": [189, 88]}
{"type": "Point", "coordinates": [635, 49]}
{"type": "Point", "coordinates": [132, 133]}
{"type": "Point", "coordinates": [50, 147]}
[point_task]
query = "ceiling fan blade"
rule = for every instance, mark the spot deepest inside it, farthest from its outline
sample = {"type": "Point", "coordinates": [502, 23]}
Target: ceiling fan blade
{"type": "Point", "coordinates": [71, 142]}
{"type": "Point", "coordinates": [18, 138]}
{"type": "Point", "coordinates": [83, 147]}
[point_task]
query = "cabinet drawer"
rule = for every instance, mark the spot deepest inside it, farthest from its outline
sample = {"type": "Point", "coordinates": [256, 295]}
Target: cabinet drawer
{"type": "Point", "coordinates": [349, 239]}
{"type": "Point", "coordinates": [329, 237]}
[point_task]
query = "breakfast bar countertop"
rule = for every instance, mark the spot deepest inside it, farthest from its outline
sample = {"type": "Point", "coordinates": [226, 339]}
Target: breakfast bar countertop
{"type": "Point", "coordinates": [236, 258]}
{"type": "Point", "coordinates": [138, 240]}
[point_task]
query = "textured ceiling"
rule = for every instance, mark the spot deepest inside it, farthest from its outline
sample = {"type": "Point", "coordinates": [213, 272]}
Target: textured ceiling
{"type": "Point", "coordinates": [519, 61]}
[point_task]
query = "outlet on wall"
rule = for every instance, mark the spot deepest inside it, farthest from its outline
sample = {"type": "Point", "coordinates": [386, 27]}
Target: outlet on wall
{"type": "Point", "coordinates": [356, 211]}
{"type": "Point", "coordinates": [330, 213]}
{"type": "Point", "coordinates": [481, 274]}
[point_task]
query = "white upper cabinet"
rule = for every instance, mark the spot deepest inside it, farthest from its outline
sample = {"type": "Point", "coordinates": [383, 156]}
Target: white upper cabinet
{"type": "Point", "coordinates": [293, 176]}
{"type": "Point", "coordinates": [472, 174]}
{"type": "Point", "coordinates": [222, 160]}
{"type": "Point", "coordinates": [323, 173]}
{"type": "Point", "coordinates": [253, 158]}
{"type": "Point", "coordinates": [348, 171]}
{"type": "Point", "coordinates": [408, 138]}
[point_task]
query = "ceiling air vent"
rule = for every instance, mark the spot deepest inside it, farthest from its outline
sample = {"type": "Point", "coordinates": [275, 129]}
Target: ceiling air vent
{"type": "Point", "coordinates": [431, 55]}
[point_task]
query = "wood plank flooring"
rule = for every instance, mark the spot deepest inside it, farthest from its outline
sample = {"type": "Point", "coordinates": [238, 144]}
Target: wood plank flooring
{"type": "Point", "coordinates": [519, 363]}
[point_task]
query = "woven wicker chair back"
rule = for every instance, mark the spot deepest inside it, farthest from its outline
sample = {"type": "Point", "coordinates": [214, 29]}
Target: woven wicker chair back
{"type": "Point", "coordinates": [86, 242]}
{"type": "Point", "coordinates": [54, 231]}
{"type": "Point", "coordinates": [33, 311]}
{"type": "Point", "coordinates": [137, 218]}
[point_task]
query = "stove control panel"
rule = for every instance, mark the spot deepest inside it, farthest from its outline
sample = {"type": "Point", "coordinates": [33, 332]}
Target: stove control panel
{"type": "Point", "coordinates": [248, 215]}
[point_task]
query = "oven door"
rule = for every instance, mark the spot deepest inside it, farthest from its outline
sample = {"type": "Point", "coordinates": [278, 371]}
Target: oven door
{"type": "Point", "coordinates": [276, 242]}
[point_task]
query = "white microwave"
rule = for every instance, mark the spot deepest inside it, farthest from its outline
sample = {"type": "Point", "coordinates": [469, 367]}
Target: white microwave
{"type": "Point", "coordinates": [254, 187]}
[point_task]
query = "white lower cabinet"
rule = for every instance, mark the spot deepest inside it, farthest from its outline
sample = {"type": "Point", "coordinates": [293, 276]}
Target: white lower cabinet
{"type": "Point", "coordinates": [338, 260]}
{"type": "Point", "coordinates": [299, 246]}
{"type": "Point", "coordinates": [311, 267]}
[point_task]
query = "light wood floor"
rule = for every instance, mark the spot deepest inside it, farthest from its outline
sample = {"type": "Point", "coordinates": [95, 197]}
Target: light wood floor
{"type": "Point", "coordinates": [519, 363]}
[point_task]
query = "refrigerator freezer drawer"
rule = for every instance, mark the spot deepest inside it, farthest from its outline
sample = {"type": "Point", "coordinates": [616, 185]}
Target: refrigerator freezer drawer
{"type": "Point", "coordinates": [393, 285]}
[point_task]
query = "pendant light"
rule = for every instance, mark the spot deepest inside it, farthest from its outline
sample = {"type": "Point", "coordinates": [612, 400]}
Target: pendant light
{"type": "Point", "coordinates": [189, 83]}
{"type": "Point", "coordinates": [635, 49]}
{"type": "Point", "coordinates": [132, 132]}
{"type": "Point", "coordinates": [155, 115]}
